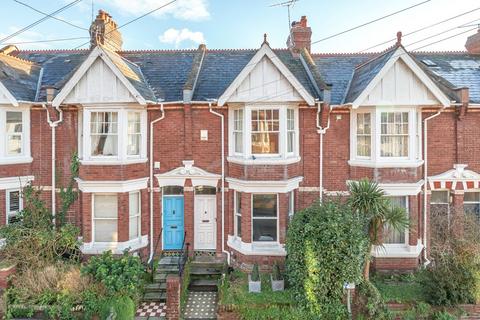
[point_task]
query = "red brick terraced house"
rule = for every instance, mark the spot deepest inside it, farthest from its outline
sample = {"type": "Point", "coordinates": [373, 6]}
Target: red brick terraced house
{"type": "Point", "coordinates": [219, 148]}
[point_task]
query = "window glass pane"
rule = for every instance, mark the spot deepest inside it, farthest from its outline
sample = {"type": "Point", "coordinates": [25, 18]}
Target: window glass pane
{"type": "Point", "coordinates": [205, 190]}
{"type": "Point", "coordinates": [134, 219]}
{"type": "Point", "coordinates": [471, 197]}
{"type": "Point", "coordinates": [472, 204]}
{"type": "Point", "coordinates": [134, 133]}
{"type": "Point", "coordinates": [265, 131]}
{"type": "Point", "coordinates": [290, 141]}
{"type": "Point", "coordinates": [392, 236]}
{"type": "Point", "coordinates": [264, 229]}
{"type": "Point", "coordinates": [104, 133]}
{"type": "Point", "coordinates": [105, 206]}
{"type": "Point", "coordinates": [14, 122]}
{"type": "Point", "coordinates": [264, 205]}
{"type": "Point", "coordinates": [14, 201]}
{"type": "Point", "coordinates": [14, 144]}
{"type": "Point", "coordinates": [238, 202]}
{"type": "Point", "coordinates": [173, 190]}
{"type": "Point", "coordinates": [238, 130]}
{"type": "Point", "coordinates": [133, 228]}
{"type": "Point", "coordinates": [134, 202]}
{"type": "Point", "coordinates": [106, 230]}
{"type": "Point", "coordinates": [239, 225]}
{"type": "Point", "coordinates": [394, 134]}
{"type": "Point", "coordinates": [439, 197]}
{"type": "Point", "coordinates": [363, 135]}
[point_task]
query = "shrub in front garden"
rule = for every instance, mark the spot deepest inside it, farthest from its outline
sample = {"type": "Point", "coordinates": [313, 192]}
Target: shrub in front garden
{"type": "Point", "coordinates": [326, 247]}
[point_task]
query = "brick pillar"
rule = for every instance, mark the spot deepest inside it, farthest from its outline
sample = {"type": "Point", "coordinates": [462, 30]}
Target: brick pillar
{"type": "Point", "coordinates": [414, 220]}
{"type": "Point", "coordinates": [123, 217]}
{"type": "Point", "coordinates": [246, 217]}
{"type": "Point", "coordinates": [87, 216]}
{"type": "Point", "coordinates": [145, 213]}
{"type": "Point", "coordinates": [188, 193]}
{"type": "Point", "coordinates": [282, 216]}
{"type": "Point", "coordinates": [173, 297]}
{"type": "Point", "coordinates": [456, 211]}
{"type": "Point", "coordinates": [188, 127]}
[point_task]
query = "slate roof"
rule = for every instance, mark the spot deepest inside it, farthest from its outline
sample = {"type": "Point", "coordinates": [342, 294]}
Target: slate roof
{"type": "Point", "coordinates": [19, 77]}
{"type": "Point", "coordinates": [161, 75]}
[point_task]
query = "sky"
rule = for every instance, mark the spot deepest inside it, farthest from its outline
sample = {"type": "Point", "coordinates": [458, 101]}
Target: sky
{"type": "Point", "coordinates": [241, 23]}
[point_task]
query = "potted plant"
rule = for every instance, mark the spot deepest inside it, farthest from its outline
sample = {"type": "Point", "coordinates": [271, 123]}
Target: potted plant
{"type": "Point", "coordinates": [254, 283]}
{"type": "Point", "coordinates": [278, 283]}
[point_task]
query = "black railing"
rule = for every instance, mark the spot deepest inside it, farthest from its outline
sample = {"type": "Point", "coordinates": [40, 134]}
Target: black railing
{"type": "Point", "coordinates": [152, 269]}
{"type": "Point", "coordinates": [183, 256]}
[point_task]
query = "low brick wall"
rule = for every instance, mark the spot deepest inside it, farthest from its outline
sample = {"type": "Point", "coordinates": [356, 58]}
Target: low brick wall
{"type": "Point", "coordinates": [174, 288]}
{"type": "Point", "coordinates": [5, 273]}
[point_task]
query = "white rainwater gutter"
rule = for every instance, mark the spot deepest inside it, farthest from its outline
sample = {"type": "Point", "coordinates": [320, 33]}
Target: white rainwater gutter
{"type": "Point", "coordinates": [321, 131]}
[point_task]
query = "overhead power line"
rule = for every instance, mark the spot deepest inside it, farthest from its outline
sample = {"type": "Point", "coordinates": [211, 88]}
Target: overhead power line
{"type": "Point", "coordinates": [46, 14]}
{"type": "Point", "coordinates": [133, 20]}
{"type": "Point", "coordinates": [450, 37]}
{"type": "Point", "coordinates": [370, 22]}
{"type": "Point", "coordinates": [39, 21]}
{"type": "Point", "coordinates": [421, 29]}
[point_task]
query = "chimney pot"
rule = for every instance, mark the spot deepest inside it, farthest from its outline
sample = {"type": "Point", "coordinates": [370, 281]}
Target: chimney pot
{"type": "Point", "coordinates": [300, 36]}
{"type": "Point", "coordinates": [473, 43]}
{"type": "Point", "coordinates": [104, 31]}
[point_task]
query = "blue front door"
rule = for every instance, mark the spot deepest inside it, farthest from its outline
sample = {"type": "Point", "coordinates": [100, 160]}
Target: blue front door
{"type": "Point", "coordinates": [173, 227]}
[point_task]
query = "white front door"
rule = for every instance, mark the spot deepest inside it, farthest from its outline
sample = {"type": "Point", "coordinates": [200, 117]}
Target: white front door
{"type": "Point", "coordinates": [205, 222]}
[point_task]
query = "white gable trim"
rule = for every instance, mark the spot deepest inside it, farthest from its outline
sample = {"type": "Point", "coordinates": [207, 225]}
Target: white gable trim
{"type": "Point", "coordinates": [177, 176]}
{"type": "Point", "coordinates": [10, 97]}
{"type": "Point", "coordinates": [97, 52]}
{"type": "Point", "coordinates": [265, 50]}
{"type": "Point", "coordinates": [400, 53]}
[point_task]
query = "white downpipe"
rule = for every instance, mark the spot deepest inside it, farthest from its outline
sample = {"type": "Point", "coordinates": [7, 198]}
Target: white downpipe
{"type": "Point", "coordinates": [425, 177]}
{"type": "Point", "coordinates": [152, 238]}
{"type": "Point", "coordinates": [223, 178]}
{"type": "Point", "coordinates": [53, 125]}
{"type": "Point", "coordinates": [321, 131]}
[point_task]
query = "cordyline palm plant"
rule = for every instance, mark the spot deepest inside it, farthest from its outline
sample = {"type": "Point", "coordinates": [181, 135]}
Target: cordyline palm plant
{"type": "Point", "coordinates": [368, 199]}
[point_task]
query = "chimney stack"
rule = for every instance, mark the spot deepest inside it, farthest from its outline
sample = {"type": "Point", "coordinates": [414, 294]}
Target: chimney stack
{"type": "Point", "coordinates": [300, 36]}
{"type": "Point", "coordinates": [473, 43]}
{"type": "Point", "coordinates": [103, 31]}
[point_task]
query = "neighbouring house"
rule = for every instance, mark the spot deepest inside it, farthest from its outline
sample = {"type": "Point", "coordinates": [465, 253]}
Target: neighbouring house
{"type": "Point", "coordinates": [218, 148]}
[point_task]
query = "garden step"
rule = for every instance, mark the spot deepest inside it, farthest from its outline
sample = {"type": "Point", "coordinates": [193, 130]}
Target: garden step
{"type": "Point", "coordinates": [205, 271]}
{"type": "Point", "coordinates": [167, 269]}
{"type": "Point", "coordinates": [168, 261]}
{"type": "Point", "coordinates": [154, 296]}
{"type": "Point", "coordinates": [203, 285]}
{"type": "Point", "coordinates": [160, 277]}
{"type": "Point", "coordinates": [156, 287]}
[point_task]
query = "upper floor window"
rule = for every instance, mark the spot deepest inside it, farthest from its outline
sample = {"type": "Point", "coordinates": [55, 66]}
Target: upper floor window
{"type": "Point", "coordinates": [115, 136]}
{"type": "Point", "coordinates": [263, 133]}
{"type": "Point", "coordinates": [385, 136]}
{"type": "Point", "coordinates": [15, 129]}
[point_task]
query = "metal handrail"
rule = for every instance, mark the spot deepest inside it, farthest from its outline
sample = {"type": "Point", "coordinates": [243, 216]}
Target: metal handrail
{"type": "Point", "coordinates": [183, 256]}
{"type": "Point", "coordinates": [155, 250]}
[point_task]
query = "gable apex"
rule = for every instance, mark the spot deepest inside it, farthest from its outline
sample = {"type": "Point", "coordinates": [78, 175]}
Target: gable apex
{"type": "Point", "coordinates": [276, 68]}
{"type": "Point", "coordinates": [6, 96]}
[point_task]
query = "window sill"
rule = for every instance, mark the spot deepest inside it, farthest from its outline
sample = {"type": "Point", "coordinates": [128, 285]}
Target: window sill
{"type": "Point", "coordinates": [115, 247]}
{"type": "Point", "coordinates": [385, 164]}
{"type": "Point", "coordinates": [264, 161]}
{"type": "Point", "coordinates": [397, 251]}
{"type": "Point", "coordinates": [256, 249]}
{"type": "Point", "coordinates": [112, 162]}
{"type": "Point", "coordinates": [16, 160]}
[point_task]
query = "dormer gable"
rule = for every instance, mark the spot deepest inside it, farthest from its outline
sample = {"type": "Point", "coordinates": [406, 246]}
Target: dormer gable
{"type": "Point", "coordinates": [266, 79]}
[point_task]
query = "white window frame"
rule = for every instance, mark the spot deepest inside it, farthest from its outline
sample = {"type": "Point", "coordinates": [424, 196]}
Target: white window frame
{"type": "Point", "coordinates": [122, 157]}
{"type": "Point", "coordinates": [407, 231]}
{"type": "Point", "coordinates": [277, 218]}
{"type": "Point", "coordinates": [236, 214]}
{"type": "Point", "coordinates": [93, 217]}
{"type": "Point", "coordinates": [9, 213]}
{"type": "Point", "coordinates": [291, 205]}
{"type": "Point", "coordinates": [25, 156]}
{"type": "Point", "coordinates": [414, 158]}
{"type": "Point", "coordinates": [236, 131]}
{"type": "Point", "coordinates": [247, 157]}
{"type": "Point", "coordinates": [137, 215]}
{"type": "Point", "coordinates": [356, 134]}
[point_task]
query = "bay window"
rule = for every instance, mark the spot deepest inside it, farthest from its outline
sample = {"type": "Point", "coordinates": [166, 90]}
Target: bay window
{"type": "Point", "coordinates": [15, 135]}
{"type": "Point", "coordinates": [385, 137]}
{"type": "Point", "coordinates": [14, 205]}
{"type": "Point", "coordinates": [105, 217]}
{"type": "Point", "coordinates": [264, 217]}
{"type": "Point", "coordinates": [263, 134]}
{"type": "Point", "coordinates": [238, 215]}
{"type": "Point", "coordinates": [392, 236]}
{"type": "Point", "coordinates": [134, 211]}
{"type": "Point", "coordinates": [113, 136]}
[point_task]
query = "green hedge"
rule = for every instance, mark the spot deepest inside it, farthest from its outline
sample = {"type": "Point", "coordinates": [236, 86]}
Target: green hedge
{"type": "Point", "coordinates": [326, 247]}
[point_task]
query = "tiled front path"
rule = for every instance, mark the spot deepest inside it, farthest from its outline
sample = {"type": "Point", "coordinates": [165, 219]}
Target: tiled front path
{"type": "Point", "coordinates": [201, 305]}
{"type": "Point", "coordinates": [151, 311]}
